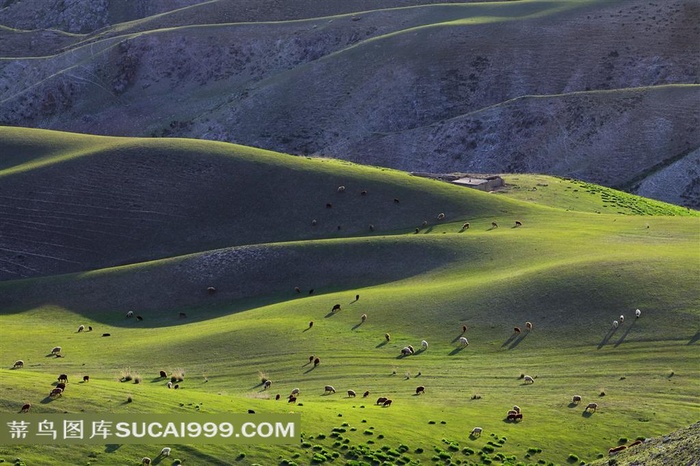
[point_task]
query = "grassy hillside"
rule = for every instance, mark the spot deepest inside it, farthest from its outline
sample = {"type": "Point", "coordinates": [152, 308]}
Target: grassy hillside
{"type": "Point", "coordinates": [567, 269]}
{"type": "Point", "coordinates": [591, 89]}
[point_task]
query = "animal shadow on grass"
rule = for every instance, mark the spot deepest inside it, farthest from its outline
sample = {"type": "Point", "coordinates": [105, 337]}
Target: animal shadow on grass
{"type": "Point", "coordinates": [509, 340]}
{"type": "Point", "coordinates": [572, 405]}
{"type": "Point", "coordinates": [112, 447]}
{"type": "Point", "coordinates": [587, 414]}
{"type": "Point", "coordinates": [456, 351]}
{"type": "Point", "coordinates": [607, 338]}
{"type": "Point", "coordinates": [356, 326]}
{"type": "Point", "coordinates": [520, 337]}
{"type": "Point", "coordinates": [456, 339]}
{"type": "Point", "coordinates": [330, 314]}
{"type": "Point", "coordinates": [156, 379]}
{"type": "Point", "coordinates": [384, 343]}
{"type": "Point", "coordinates": [624, 335]}
{"type": "Point", "coordinates": [47, 400]}
{"type": "Point", "coordinates": [695, 338]}
{"type": "Point", "coordinates": [309, 369]}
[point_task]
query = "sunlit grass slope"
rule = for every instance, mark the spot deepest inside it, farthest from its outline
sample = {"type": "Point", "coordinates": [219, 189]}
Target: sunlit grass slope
{"type": "Point", "coordinates": [567, 269]}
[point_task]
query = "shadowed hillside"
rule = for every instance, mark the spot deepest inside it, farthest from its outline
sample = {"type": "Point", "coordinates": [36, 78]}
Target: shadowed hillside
{"type": "Point", "coordinates": [606, 92]}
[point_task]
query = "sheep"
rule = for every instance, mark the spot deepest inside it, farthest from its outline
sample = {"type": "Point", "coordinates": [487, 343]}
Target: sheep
{"type": "Point", "coordinates": [463, 341]}
{"type": "Point", "coordinates": [170, 385]}
{"type": "Point", "coordinates": [145, 460]}
{"type": "Point", "coordinates": [615, 324]}
{"type": "Point", "coordinates": [417, 230]}
{"type": "Point", "coordinates": [638, 313]}
{"type": "Point", "coordinates": [295, 391]}
{"type": "Point", "coordinates": [292, 399]}
{"type": "Point", "coordinates": [371, 227]}
{"type": "Point", "coordinates": [336, 307]}
{"type": "Point", "coordinates": [130, 314]}
{"type": "Point", "coordinates": [420, 390]}
{"type": "Point", "coordinates": [365, 394]}
{"type": "Point", "coordinates": [81, 328]}
{"type": "Point", "coordinates": [341, 189]}
{"type": "Point", "coordinates": [56, 392]}
{"type": "Point", "coordinates": [211, 290]}
{"type": "Point", "coordinates": [89, 328]}
{"type": "Point", "coordinates": [622, 318]}
{"type": "Point", "coordinates": [516, 408]}
{"type": "Point", "coordinates": [406, 351]}
{"type": "Point", "coordinates": [494, 225]}
{"type": "Point", "coordinates": [424, 344]}
{"type": "Point", "coordinates": [363, 317]}
{"type": "Point", "coordinates": [576, 399]}
{"type": "Point", "coordinates": [357, 297]}
{"type": "Point", "coordinates": [25, 408]}
{"type": "Point", "coordinates": [61, 385]}
{"type": "Point", "coordinates": [465, 226]}
{"type": "Point", "coordinates": [518, 417]}
{"type": "Point", "coordinates": [163, 374]}
{"type": "Point", "coordinates": [317, 361]}
{"type": "Point", "coordinates": [63, 378]}
{"type": "Point", "coordinates": [139, 318]}
{"type": "Point", "coordinates": [387, 337]}
{"type": "Point", "coordinates": [464, 328]}
{"type": "Point", "coordinates": [351, 393]}
{"type": "Point", "coordinates": [518, 223]}
{"type": "Point", "coordinates": [182, 315]}
{"type": "Point", "coordinates": [591, 406]}
{"type": "Point", "coordinates": [329, 389]}
{"type": "Point", "coordinates": [476, 432]}
{"type": "Point", "coordinates": [363, 193]}
{"type": "Point", "coordinates": [277, 397]}
{"type": "Point", "coordinates": [396, 200]}
{"type": "Point", "coordinates": [18, 364]}
{"type": "Point", "coordinates": [297, 289]}
{"type": "Point", "coordinates": [56, 350]}
{"type": "Point", "coordinates": [267, 384]}
{"type": "Point", "coordinates": [165, 451]}
{"type": "Point", "coordinates": [381, 400]}
{"type": "Point", "coordinates": [441, 216]}
{"type": "Point", "coordinates": [516, 330]}
{"type": "Point", "coordinates": [387, 403]}
{"type": "Point", "coordinates": [311, 323]}
{"type": "Point", "coordinates": [510, 416]}
{"type": "Point", "coordinates": [528, 379]}
{"type": "Point", "coordinates": [86, 378]}
{"type": "Point", "coordinates": [528, 326]}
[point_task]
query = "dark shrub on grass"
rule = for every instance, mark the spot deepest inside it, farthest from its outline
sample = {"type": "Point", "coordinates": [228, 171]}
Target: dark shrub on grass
{"type": "Point", "coordinates": [572, 458]}
{"type": "Point", "coordinates": [488, 449]}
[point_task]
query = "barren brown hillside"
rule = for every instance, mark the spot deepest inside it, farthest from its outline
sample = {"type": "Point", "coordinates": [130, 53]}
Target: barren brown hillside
{"type": "Point", "coordinates": [603, 91]}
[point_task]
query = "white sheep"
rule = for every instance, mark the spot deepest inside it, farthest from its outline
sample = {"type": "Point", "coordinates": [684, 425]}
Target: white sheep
{"type": "Point", "coordinates": [363, 317]}
{"type": "Point", "coordinates": [528, 326]}
{"type": "Point", "coordinates": [406, 351]}
{"type": "Point", "coordinates": [165, 451]}
{"type": "Point", "coordinates": [341, 189]}
{"type": "Point", "coordinates": [130, 314]}
{"type": "Point", "coordinates": [18, 364]}
{"type": "Point", "coordinates": [615, 324]}
{"type": "Point", "coordinates": [622, 318]}
{"type": "Point", "coordinates": [576, 399]}
{"type": "Point", "coordinates": [424, 344]}
{"type": "Point", "coordinates": [463, 341]}
{"type": "Point", "coordinates": [516, 408]}
{"type": "Point", "coordinates": [638, 313]}
{"type": "Point", "coordinates": [295, 391]}
{"type": "Point", "coordinates": [81, 328]}
{"type": "Point", "coordinates": [56, 350]}
{"type": "Point", "coordinates": [528, 379]}
{"type": "Point", "coordinates": [329, 389]}
{"type": "Point", "coordinates": [170, 385]}
{"type": "Point", "coordinates": [476, 432]}
{"type": "Point", "coordinates": [592, 407]}
{"type": "Point", "coordinates": [441, 216]}
{"type": "Point", "coordinates": [145, 460]}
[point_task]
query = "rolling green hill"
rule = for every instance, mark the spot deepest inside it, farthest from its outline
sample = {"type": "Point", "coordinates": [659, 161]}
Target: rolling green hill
{"type": "Point", "coordinates": [149, 225]}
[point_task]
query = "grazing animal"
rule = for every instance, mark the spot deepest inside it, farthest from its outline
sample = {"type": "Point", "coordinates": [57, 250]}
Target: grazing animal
{"type": "Point", "coordinates": [89, 328]}
{"type": "Point", "coordinates": [165, 451]}
{"type": "Point", "coordinates": [329, 206]}
{"type": "Point", "coordinates": [363, 317]}
{"type": "Point", "coordinates": [351, 393]}
{"type": "Point", "coordinates": [465, 226]}
{"type": "Point", "coordinates": [396, 200]}
{"type": "Point", "coordinates": [510, 416]}
{"type": "Point", "coordinates": [18, 364]}
{"type": "Point", "coordinates": [381, 400]}
{"type": "Point", "coordinates": [336, 307]}
{"type": "Point", "coordinates": [130, 314]}
{"type": "Point", "coordinates": [61, 385]}
{"type": "Point", "coordinates": [182, 315]}
{"type": "Point", "coordinates": [424, 344]}
{"type": "Point", "coordinates": [311, 323]}
{"type": "Point", "coordinates": [329, 389]}
{"type": "Point", "coordinates": [163, 374]}
{"type": "Point", "coordinates": [86, 378]}
{"type": "Point", "coordinates": [365, 394]}
{"type": "Point", "coordinates": [615, 324]}
{"type": "Point", "coordinates": [106, 334]}
{"type": "Point", "coordinates": [387, 337]}
{"type": "Point", "coordinates": [311, 358]}
{"type": "Point", "coordinates": [637, 313]}
{"type": "Point", "coordinates": [441, 216]}
{"type": "Point", "coordinates": [371, 227]}
{"type": "Point", "coordinates": [592, 407]}
{"type": "Point", "coordinates": [363, 193]}
{"type": "Point", "coordinates": [277, 397]}
{"type": "Point", "coordinates": [494, 225]}
{"type": "Point", "coordinates": [297, 289]}
{"type": "Point", "coordinates": [317, 361]}
{"type": "Point", "coordinates": [25, 408]}
{"type": "Point", "coordinates": [170, 385]}
{"type": "Point", "coordinates": [463, 341]}
{"type": "Point", "coordinates": [339, 227]}
{"type": "Point", "coordinates": [528, 326]}
{"type": "Point", "coordinates": [81, 328]}
{"type": "Point", "coordinates": [464, 328]}
{"type": "Point", "coordinates": [267, 384]}
{"type": "Point", "coordinates": [357, 297]}
{"type": "Point", "coordinates": [476, 432]}
{"type": "Point", "coordinates": [516, 408]}
{"type": "Point", "coordinates": [139, 318]}
{"type": "Point", "coordinates": [622, 318]}
{"type": "Point", "coordinates": [251, 411]}
{"type": "Point", "coordinates": [56, 350]}
{"type": "Point", "coordinates": [516, 330]}
{"type": "Point", "coordinates": [417, 230]}
{"type": "Point", "coordinates": [420, 389]}
{"type": "Point", "coordinates": [528, 379]}
{"type": "Point", "coordinates": [63, 378]}
{"type": "Point", "coordinates": [146, 460]}
{"type": "Point", "coordinates": [387, 403]}
{"type": "Point", "coordinates": [56, 392]}
{"type": "Point", "coordinates": [518, 223]}
{"type": "Point", "coordinates": [295, 391]}
{"type": "Point", "coordinates": [311, 291]}
{"type": "Point", "coordinates": [341, 189]}
{"type": "Point", "coordinates": [211, 290]}
{"type": "Point", "coordinates": [176, 386]}
{"type": "Point", "coordinates": [518, 417]}
{"type": "Point", "coordinates": [576, 399]}
{"type": "Point", "coordinates": [292, 399]}
{"type": "Point", "coordinates": [406, 351]}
